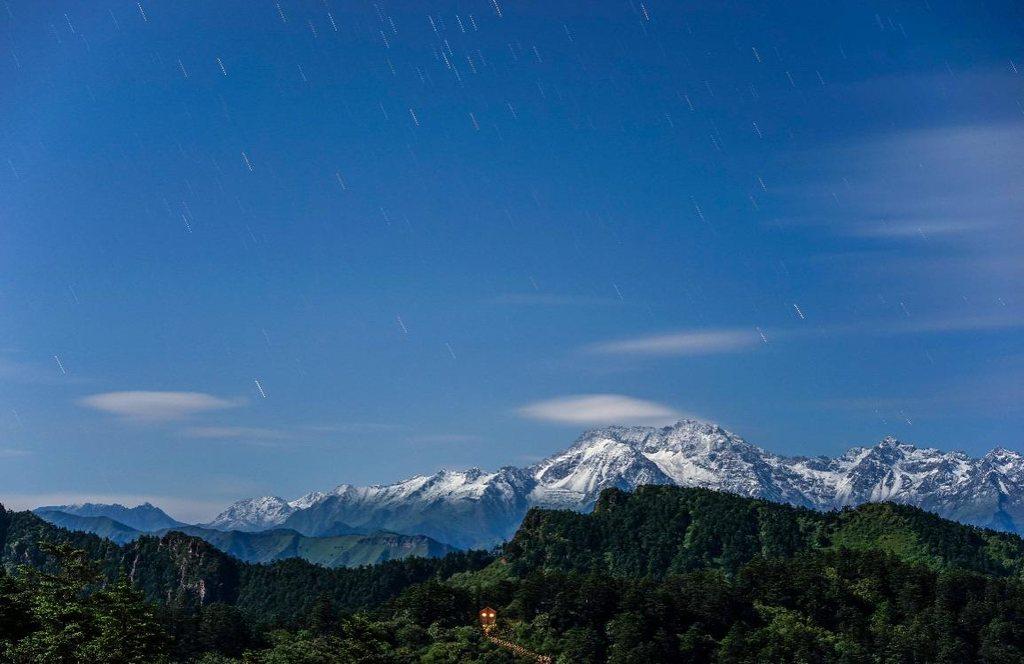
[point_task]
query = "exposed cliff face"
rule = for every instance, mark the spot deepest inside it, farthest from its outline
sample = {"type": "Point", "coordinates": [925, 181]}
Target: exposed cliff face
{"type": "Point", "coordinates": [203, 574]}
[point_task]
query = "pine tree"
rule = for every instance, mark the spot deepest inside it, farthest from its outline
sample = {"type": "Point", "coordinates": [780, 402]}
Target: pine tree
{"type": "Point", "coordinates": [56, 602]}
{"type": "Point", "coordinates": [128, 632]}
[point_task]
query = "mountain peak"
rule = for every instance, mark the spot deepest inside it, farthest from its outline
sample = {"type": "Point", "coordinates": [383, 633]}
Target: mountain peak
{"type": "Point", "coordinates": [471, 472]}
{"type": "Point", "coordinates": [302, 502]}
{"type": "Point", "coordinates": [252, 514]}
{"type": "Point", "coordinates": [476, 507]}
{"type": "Point", "coordinates": [693, 423]}
{"type": "Point", "coordinates": [1005, 462]}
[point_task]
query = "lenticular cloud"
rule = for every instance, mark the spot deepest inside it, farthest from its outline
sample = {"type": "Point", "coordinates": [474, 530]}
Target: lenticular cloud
{"type": "Point", "coordinates": [155, 406]}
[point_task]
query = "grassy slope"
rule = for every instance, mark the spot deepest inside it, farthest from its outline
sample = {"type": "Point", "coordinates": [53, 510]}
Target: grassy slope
{"type": "Point", "coordinates": [920, 537]}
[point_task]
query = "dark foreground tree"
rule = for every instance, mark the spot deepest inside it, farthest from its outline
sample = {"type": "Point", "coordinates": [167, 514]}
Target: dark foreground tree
{"type": "Point", "coordinates": [60, 615]}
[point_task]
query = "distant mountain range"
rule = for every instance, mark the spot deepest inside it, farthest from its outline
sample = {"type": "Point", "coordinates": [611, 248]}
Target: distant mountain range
{"type": "Point", "coordinates": [476, 508]}
{"type": "Point", "coordinates": [145, 517]}
{"type": "Point", "coordinates": [350, 550]}
{"type": "Point", "coordinates": [103, 526]}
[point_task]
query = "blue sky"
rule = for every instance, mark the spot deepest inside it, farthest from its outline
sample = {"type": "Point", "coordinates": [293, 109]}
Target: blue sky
{"type": "Point", "coordinates": [260, 247]}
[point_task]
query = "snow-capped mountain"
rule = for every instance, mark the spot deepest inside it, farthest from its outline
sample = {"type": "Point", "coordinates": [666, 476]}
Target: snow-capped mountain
{"type": "Point", "coordinates": [475, 508]}
{"type": "Point", "coordinates": [254, 514]}
{"type": "Point", "coordinates": [465, 508]}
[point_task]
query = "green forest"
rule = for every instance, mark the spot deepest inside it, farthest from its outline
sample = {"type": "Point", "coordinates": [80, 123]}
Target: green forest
{"type": "Point", "coordinates": [663, 574]}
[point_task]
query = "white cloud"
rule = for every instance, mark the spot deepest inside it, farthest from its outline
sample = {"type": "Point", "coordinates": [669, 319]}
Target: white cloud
{"type": "Point", "coordinates": [155, 406]}
{"type": "Point", "coordinates": [917, 228]}
{"type": "Point", "coordinates": [686, 342]}
{"type": "Point", "coordinates": [11, 453]}
{"type": "Point", "coordinates": [596, 409]}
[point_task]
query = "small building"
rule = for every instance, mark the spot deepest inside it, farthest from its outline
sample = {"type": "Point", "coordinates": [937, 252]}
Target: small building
{"type": "Point", "coordinates": [487, 618]}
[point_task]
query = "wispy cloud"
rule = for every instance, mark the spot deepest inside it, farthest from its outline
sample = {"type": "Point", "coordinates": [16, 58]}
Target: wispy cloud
{"type": "Point", "coordinates": [441, 438]}
{"type": "Point", "coordinates": [12, 453]}
{"type": "Point", "coordinates": [596, 409]}
{"type": "Point", "coordinates": [720, 341]}
{"type": "Point", "coordinates": [685, 342]}
{"type": "Point", "coordinates": [947, 177]}
{"type": "Point", "coordinates": [357, 427]}
{"type": "Point", "coordinates": [226, 432]}
{"type": "Point", "coordinates": [946, 200]}
{"type": "Point", "coordinates": [918, 228]}
{"type": "Point", "coordinates": [908, 325]}
{"type": "Point", "coordinates": [143, 406]}
{"type": "Point", "coordinates": [994, 390]}
{"type": "Point", "coordinates": [968, 323]}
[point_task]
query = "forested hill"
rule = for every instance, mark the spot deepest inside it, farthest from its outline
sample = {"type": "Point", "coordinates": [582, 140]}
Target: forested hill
{"type": "Point", "coordinates": [185, 571]}
{"type": "Point", "coordinates": [651, 533]}
{"type": "Point", "coordinates": [663, 574]}
{"type": "Point", "coordinates": [660, 530]}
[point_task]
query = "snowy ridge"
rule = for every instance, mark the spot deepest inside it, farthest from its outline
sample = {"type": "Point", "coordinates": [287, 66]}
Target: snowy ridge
{"type": "Point", "coordinates": [474, 508]}
{"type": "Point", "coordinates": [255, 514]}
